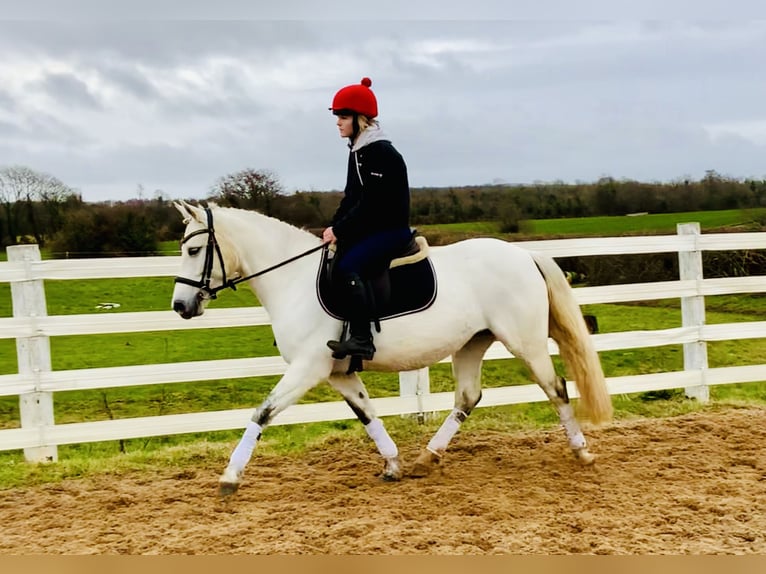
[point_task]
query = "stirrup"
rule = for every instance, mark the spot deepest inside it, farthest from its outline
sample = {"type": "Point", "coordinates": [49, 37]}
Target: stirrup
{"type": "Point", "coordinates": [341, 351]}
{"type": "Point", "coordinates": [337, 353]}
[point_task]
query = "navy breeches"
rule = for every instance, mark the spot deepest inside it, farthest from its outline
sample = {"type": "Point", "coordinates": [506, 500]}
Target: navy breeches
{"type": "Point", "coordinates": [370, 256]}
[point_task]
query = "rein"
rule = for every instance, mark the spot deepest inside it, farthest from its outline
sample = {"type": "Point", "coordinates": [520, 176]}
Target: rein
{"type": "Point", "coordinates": [204, 282]}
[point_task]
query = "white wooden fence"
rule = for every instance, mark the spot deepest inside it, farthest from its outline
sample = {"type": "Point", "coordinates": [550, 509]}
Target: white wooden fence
{"type": "Point", "coordinates": [36, 382]}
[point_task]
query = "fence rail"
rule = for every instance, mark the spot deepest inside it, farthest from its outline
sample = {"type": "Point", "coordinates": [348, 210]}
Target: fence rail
{"type": "Point", "coordinates": [36, 382]}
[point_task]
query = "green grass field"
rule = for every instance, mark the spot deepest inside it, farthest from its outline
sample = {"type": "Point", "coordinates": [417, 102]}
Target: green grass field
{"type": "Point", "coordinates": [746, 220]}
{"type": "Point", "coordinates": [151, 294]}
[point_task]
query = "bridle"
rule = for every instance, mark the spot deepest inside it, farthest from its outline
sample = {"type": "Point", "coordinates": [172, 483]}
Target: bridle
{"type": "Point", "coordinates": [214, 247]}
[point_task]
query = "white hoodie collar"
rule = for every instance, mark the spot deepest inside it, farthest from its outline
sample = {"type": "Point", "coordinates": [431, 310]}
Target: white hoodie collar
{"type": "Point", "coordinates": [373, 133]}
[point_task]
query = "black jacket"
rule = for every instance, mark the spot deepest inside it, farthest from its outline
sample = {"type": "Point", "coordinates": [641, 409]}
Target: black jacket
{"type": "Point", "coordinates": [377, 193]}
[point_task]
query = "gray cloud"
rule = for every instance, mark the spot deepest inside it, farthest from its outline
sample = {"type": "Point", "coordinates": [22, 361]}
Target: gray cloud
{"type": "Point", "coordinates": [173, 105]}
{"type": "Point", "coordinates": [68, 90]}
{"type": "Point", "coordinates": [125, 76]}
{"type": "Point", "coordinates": [154, 42]}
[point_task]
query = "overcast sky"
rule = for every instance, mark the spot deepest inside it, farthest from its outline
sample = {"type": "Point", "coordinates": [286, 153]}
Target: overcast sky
{"type": "Point", "coordinates": [112, 107]}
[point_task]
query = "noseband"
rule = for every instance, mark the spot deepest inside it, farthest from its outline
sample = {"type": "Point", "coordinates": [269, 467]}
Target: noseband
{"type": "Point", "coordinates": [207, 272]}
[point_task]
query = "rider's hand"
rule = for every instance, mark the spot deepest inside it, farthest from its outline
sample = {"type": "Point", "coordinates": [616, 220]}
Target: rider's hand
{"type": "Point", "coordinates": [329, 236]}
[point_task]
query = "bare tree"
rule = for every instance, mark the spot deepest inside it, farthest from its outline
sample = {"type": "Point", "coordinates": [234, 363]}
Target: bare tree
{"type": "Point", "coordinates": [32, 198]}
{"type": "Point", "coordinates": [249, 189]}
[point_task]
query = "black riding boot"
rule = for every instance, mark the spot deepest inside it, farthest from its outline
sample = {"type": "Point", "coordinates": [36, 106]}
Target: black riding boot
{"type": "Point", "coordinates": [360, 341]}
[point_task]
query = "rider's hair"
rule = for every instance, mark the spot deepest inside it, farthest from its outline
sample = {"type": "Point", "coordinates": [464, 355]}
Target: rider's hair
{"type": "Point", "coordinates": [365, 122]}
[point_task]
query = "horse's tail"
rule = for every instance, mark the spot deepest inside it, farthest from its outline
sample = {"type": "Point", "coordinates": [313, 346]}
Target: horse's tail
{"type": "Point", "coordinates": [567, 327]}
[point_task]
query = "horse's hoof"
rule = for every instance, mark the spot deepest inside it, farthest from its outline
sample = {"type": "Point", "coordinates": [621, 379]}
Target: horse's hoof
{"type": "Point", "coordinates": [228, 483]}
{"type": "Point", "coordinates": [424, 464]}
{"type": "Point", "coordinates": [392, 471]}
{"type": "Point", "coordinates": [227, 489]}
{"type": "Point", "coordinates": [584, 456]}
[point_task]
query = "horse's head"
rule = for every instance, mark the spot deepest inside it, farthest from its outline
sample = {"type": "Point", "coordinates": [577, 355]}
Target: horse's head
{"type": "Point", "coordinates": [203, 267]}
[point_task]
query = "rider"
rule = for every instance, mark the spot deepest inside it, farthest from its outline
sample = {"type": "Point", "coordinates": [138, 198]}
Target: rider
{"type": "Point", "coordinates": [371, 224]}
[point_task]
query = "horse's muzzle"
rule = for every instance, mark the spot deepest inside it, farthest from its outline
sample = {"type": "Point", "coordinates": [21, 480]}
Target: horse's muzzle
{"type": "Point", "coordinates": [181, 308]}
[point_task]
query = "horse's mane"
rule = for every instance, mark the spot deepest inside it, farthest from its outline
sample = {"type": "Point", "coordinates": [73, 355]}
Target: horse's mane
{"type": "Point", "coordinates": [283, 228]}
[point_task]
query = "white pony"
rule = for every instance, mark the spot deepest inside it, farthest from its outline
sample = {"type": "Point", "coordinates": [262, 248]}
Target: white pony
{"type": "Point", "coordinates": [488, 290]}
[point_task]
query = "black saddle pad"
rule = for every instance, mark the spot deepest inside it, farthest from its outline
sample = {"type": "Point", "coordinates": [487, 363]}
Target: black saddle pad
{"type": "Point", "coordinates": [406, 289]}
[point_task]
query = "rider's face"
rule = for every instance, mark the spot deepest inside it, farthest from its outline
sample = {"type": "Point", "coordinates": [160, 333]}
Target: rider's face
{"type": "Point", "coordinates": [345, 126]}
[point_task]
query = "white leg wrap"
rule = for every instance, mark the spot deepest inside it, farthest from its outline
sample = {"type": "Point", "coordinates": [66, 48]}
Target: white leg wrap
{"type": "Point", "coordinates": [444, 435]}
{"type": "Point", "coordinates": [241, 455]}
{"type": "Point", "coordinates": [377, 432]}
{"type": "Point", "coordinates": [570, 424]}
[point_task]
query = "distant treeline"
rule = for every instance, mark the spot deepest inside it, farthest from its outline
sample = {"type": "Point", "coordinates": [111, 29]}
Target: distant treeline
{"type": "Point", "coordinates": [511, 204]}
{"type": "Point", "coordinates": [70, 227]}
{"type": "Point", "coordinates": [607, 196]}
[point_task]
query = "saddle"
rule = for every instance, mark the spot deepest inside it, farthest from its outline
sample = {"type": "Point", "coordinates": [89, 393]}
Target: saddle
{"type": "Point", "coordinates": [407, 286]}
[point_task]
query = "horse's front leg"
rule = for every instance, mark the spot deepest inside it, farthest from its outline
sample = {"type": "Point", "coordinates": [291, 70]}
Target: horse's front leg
{"type": "Point", "coordinates": [353, 390]}
{"type": "Point", "coordinates": [300, 377]}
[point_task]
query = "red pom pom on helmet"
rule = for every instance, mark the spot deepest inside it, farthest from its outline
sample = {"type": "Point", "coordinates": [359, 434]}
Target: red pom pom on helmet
{"type": "Point", "coordinates": [356, 98]}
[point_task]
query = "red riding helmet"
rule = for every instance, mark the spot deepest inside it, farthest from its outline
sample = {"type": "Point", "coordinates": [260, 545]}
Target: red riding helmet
{"type": "Point", "coordinates": [356, 98]}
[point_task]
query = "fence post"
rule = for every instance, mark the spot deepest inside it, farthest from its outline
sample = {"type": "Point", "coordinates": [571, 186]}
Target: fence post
{"type": "Point", "coordinates": [693, 313]}
{"type": "Point", "coordinates": [415, 383]}
{"type": "Point", "coordinates": [33, 353]}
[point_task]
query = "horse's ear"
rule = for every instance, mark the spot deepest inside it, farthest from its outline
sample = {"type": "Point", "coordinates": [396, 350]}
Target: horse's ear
{"type": "Point", "coordinates": [187, 211]}
{"type": "Point", "coordinates": [181, 207]}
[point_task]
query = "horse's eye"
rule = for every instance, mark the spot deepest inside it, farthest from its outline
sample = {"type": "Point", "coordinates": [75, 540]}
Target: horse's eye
{"type": "Point", "coordinates": [194, 250]}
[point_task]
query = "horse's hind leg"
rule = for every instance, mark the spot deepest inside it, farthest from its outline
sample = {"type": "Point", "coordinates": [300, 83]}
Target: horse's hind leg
{"type": "Point", "coordinates": [554, 387]}
{"type": "Point", "coordinates": [354, 392]}
{"type": "Point", "coordinates": [466, 368]}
